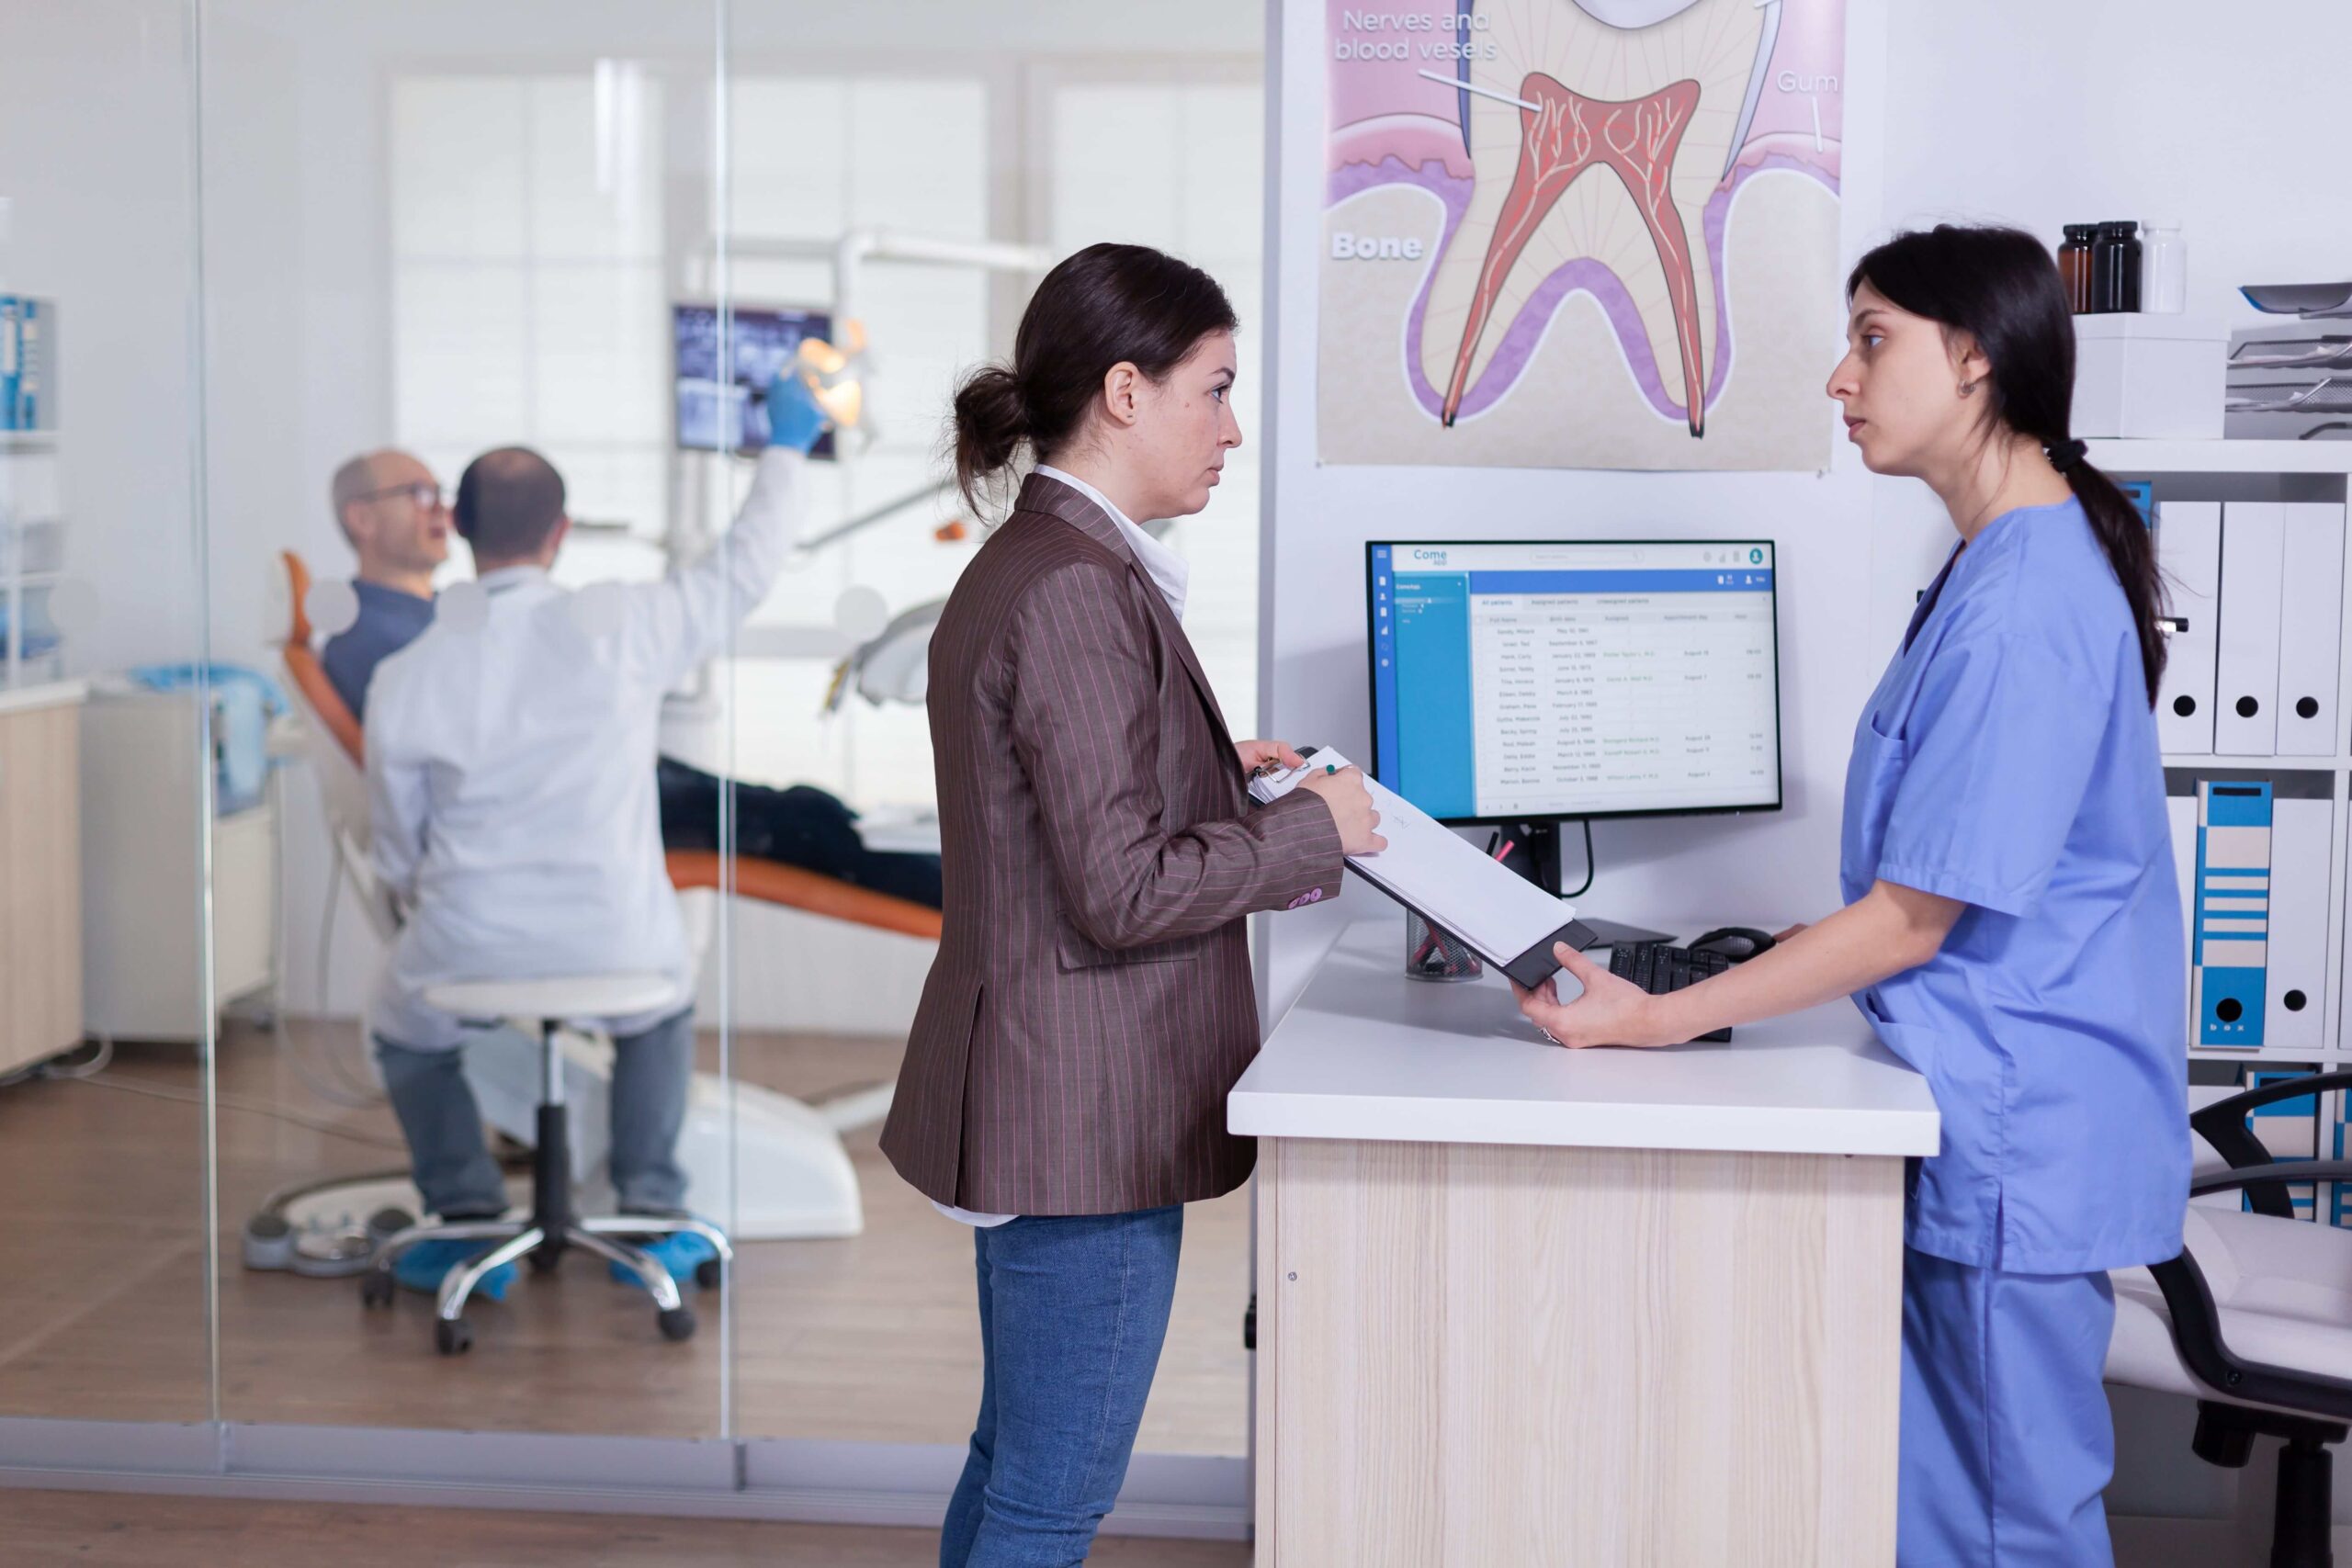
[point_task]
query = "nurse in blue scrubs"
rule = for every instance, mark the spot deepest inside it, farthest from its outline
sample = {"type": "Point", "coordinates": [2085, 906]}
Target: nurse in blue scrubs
{"type": "Point", "coordinates": [2011, 926]}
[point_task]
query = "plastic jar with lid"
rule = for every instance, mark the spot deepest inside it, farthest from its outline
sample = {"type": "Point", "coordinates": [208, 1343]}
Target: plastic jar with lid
{"type": "Point", "coordinates": [2163, 269]}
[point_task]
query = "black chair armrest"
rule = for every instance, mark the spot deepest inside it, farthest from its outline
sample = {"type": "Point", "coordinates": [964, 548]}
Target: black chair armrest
{"type": "Point", "coordinates": [2277, 1173]}
{"type": "Point", "coordinates": [2197, 1334]}
{"type": "Point", "coordinates": [2222, 1124]}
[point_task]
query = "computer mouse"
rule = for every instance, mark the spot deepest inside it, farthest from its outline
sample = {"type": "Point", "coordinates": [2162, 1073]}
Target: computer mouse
{"type": "Point", "coordinates": [1738, 943]}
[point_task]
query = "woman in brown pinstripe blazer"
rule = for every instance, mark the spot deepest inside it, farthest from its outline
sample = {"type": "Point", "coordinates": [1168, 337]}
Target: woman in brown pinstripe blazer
{"type": "Point", "coordinates": [1065, 1081]}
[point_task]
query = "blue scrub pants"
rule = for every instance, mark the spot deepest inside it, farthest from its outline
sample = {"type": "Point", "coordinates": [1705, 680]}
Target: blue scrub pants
{"type": "Point", "coordinates": [2007, 1440]}
{"type": "Point", "coordinates": [1073, 1314]}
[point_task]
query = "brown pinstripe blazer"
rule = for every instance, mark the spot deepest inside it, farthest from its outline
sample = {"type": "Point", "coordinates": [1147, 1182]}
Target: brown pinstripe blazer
{"type": "Point", "coordinates": [1092, 1003]}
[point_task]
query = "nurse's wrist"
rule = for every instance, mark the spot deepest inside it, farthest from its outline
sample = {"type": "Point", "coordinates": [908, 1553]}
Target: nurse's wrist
{"type": "Point", "coordinates": [1654, 1017]}
{"type": "Point", "coordinates": [1675, 1018]}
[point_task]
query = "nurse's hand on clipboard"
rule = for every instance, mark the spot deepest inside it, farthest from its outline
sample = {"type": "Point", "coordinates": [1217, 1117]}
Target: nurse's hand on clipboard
{"type": "Point", "coordinates": [1341, 790]}
{"type": "Point", "coordinates": [1610, 1011]}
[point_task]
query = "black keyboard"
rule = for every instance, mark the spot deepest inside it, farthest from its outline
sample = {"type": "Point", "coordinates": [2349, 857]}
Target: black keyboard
{"type": "Point", "coordinates": [1658, 969]}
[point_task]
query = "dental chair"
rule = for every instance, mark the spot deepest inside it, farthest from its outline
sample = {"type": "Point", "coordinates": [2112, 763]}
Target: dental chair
{"type": "Point", "coordinates": [2253, 1319]}
{"type": "Point", "coordinates": [784, 1159]}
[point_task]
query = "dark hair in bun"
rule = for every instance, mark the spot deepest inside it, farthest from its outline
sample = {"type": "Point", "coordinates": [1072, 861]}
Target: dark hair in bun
{"type": "Point", "coordinates": [1105, 306]}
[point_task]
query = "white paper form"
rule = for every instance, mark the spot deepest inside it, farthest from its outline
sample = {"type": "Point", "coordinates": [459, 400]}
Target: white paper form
{"type": "Point", "coordinates": [1430, 868]}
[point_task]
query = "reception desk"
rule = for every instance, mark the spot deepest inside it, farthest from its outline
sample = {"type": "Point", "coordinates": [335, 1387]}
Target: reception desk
{"type": "Point", "coordinates": [1523, 1305]}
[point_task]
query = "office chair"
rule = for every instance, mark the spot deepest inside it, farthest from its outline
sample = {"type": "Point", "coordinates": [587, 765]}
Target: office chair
{"type": "Point", "coordinates": [552, 1228]}
{"type": "Point", "coordinates": [2253, 1319]}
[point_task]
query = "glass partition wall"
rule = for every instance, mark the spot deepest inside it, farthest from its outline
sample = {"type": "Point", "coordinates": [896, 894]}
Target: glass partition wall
{"type": "Point", "coordinates": [305, 264]}
{"type": "Point", "coordinates": [112, 824]}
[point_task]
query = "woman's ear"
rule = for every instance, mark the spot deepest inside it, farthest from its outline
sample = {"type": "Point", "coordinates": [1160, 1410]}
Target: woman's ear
{"type": "Point", "coordinates": [1970, 366]}
{"type": "Point", "coordinates": [1122, 393]}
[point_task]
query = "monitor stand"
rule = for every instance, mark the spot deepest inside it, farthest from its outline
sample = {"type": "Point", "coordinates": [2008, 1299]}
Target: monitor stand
{"type": "Point", "coordinates": [1537, 858]}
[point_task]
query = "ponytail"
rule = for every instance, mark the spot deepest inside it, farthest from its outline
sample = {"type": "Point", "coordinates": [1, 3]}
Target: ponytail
{"type": "Point", "coordinates": [1106, 305]}
{"type": "Point", "coordinates": [2123, 534]}
{"type": "Point", "coordinates": [2001, 288]}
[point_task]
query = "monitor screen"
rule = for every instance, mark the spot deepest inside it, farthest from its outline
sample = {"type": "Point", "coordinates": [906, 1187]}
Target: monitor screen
{"type": "Point", "coordinates": [1519, 681]}
{"type": "Point", "coordinates": [729, 412]}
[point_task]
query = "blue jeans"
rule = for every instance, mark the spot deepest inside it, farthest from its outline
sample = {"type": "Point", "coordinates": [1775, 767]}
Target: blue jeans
{"type": "Point", "coordinates": [454, 1171]}
{"type": "Point", "coordinates": [1073, 1314]}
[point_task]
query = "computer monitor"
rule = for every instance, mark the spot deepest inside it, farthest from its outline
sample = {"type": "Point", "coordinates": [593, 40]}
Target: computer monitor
{"type": "Point", "coordinates": [729, 412]}
{"type": "Point", "coordinates": [1551, 680]}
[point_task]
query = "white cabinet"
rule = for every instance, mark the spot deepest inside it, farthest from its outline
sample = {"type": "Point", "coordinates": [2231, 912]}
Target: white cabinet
{"type": "Point", "coordinates": [40, 891]}
{"type": "Point", "coordinates": [144, 887]}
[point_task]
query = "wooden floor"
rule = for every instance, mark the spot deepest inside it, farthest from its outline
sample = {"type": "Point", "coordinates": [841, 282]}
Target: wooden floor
{"type": "Point", "coordinates": [102, 1288]}
{"type": "Point", "coordinates": [106, 1530]}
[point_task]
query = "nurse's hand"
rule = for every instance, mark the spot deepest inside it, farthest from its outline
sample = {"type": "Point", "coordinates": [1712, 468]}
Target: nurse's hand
{"type": "Point", "coordinates": [1612, 1011]}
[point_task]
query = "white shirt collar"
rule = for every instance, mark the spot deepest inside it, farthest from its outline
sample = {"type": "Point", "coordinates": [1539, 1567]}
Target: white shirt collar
{"type": "Point", "coordinates": [1169, 571]}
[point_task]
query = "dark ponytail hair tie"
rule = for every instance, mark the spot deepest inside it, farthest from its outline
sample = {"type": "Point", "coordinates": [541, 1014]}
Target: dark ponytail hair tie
{"type": "Point", "coordinates": [2067, 456]}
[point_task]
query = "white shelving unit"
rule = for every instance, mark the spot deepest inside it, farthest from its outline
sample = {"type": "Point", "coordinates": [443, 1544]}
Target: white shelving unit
{"type": "Point", "coordinates": [32, 533]}
{"type": "Point", "coordinates": [2273, 470]}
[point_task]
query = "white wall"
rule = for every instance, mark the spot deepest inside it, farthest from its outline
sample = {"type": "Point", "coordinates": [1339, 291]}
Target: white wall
{"type": "Point", "coordinates": [95, 111]}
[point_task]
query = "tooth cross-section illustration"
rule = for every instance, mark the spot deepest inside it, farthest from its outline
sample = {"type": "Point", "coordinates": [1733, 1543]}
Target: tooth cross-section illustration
{"type": "Point", "coordinates": [1598, 132]}
{"type": "Point", "coordinates": [1566, 136]}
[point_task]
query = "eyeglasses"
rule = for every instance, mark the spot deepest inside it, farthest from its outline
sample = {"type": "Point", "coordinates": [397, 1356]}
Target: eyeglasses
{"type": "Point", "coordinates": [428, 497]}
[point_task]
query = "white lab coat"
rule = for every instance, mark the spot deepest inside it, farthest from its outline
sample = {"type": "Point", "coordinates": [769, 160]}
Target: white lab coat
{"type": "Point", "coordinates": [511, 771]}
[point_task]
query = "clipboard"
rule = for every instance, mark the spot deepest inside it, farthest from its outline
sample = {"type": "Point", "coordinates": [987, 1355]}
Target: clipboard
{"type": "Point", "coordinates": [1506, 919]}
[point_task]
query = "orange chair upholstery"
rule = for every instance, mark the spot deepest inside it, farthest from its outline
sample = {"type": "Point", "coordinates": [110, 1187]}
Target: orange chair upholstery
{"type": "Point", "coordinates": [770, 881]}
{"type": "Point", "coordinates": [774, 882]}
{"type": "Point", "coordinates": [302, 666]}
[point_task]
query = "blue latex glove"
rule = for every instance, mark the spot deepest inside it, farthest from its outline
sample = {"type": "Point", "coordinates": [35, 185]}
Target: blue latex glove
{"type": "Point", "coordinates": [794, 418]}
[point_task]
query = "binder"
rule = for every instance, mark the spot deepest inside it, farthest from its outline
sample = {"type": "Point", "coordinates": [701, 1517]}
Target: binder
{"type": "Point", "coordinates": [1427, 867]}
{"type": "Point", "coordinates": [2229, 913]}
{"type": "Point", "coordinates": [32, 371]}
{"type": "Point", "coordinates": [2310, 597]}
{"type": "Point", "coordinates": [11, 356]}
{"type": "Point", "coordinates": [2256, 850]}
{"type": "Point", "coordinates": [2245, 653]}
{"type": "Point", "coordinates": [2303, 846]}
{"type": "Point", "coordinates": [2189, 552]}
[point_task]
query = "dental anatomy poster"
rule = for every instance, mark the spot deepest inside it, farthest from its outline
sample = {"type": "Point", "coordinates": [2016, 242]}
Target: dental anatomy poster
{"type": "Point", "coordinates": [1581, 233]}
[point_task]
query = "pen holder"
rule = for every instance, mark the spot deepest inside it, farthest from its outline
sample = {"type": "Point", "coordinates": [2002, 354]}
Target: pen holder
{"type": "Point", "coordinates": [1435, 953]}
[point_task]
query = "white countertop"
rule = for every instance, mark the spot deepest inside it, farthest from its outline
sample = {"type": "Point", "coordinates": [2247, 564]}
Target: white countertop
{"type": "Point", "coordinates": [1370, 1053]}
{"type": "Point", "coordinates": [49, 694]}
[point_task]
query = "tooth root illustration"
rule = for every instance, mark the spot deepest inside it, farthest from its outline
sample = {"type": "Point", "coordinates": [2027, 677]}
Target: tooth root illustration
{"type": "Point", "coordinates": [1600, 133]}
{"type": "Point", "coordinates": [1564, 136]}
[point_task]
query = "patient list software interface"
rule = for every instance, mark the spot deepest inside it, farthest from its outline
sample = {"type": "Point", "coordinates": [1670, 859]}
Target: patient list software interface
{"type": "Point", "coordinates": [1517, 681]}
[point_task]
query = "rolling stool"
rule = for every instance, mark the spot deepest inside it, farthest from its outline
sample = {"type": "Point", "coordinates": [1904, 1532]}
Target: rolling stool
{"type": "Point", "coordinates": [552, 1227]}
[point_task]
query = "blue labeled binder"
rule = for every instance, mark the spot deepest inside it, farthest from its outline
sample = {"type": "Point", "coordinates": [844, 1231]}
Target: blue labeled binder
{"type": "Point", "coordinates": [2232, 914]}
{"type": "Point", "coordinates": [32, 367]}
{"type": "Point", "coordinates": [12, 357]}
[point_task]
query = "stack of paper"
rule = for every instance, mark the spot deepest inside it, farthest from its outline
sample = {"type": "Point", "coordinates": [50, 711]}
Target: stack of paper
{"type": "Point", "coordinates": [1429, 869]}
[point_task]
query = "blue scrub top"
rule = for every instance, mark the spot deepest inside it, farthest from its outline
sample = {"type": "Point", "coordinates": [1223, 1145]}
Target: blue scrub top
{"type": "Point", "coordinates": [2009, 759]}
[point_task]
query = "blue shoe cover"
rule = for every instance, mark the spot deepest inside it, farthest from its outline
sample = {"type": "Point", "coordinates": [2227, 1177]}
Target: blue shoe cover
{"type": "Point", "coordinates": [678, 1252]}
{"type": "Point", "coordinates": [422, 1268]}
